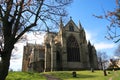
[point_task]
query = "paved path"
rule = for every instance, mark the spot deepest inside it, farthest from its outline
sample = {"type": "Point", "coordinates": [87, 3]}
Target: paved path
{"type": "Point", "coordinates": [50, 77]}
{"type": "Point", "coordinates": [110, 78]}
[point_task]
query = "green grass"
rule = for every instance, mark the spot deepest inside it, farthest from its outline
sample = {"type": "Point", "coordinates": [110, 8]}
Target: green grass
{"type": "Point", "coordinates": [86, 75]}
{"type": "Point", "coordinates": [116, 75]}
{"type": "Point", "coordinates": [25, 76]}
{"type": "Point", "coordinates": [65, 75]}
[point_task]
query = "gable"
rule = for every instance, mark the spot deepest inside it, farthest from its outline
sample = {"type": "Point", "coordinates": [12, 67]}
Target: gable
{"type": "Point", "coordinates": [71, 26]}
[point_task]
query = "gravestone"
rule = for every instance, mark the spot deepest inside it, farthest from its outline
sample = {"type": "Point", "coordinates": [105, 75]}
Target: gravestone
{"type": "Point", "coordinates": [74, 74]}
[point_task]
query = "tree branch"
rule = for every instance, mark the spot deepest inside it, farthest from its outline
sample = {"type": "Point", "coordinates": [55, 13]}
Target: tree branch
{"type": "Point", "coordinates": [25, 30]}
{"type": "Point", "coordinates": [18, 18]}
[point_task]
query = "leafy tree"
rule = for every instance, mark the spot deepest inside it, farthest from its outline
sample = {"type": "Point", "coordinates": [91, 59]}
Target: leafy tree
{"type": "Point", "coordinates": [114, 27]}
{"type": "Point", "coordinates": [20, 16]}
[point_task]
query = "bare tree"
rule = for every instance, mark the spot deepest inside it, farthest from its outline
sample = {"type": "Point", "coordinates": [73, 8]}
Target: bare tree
{"type": "Point", "coordinates": [102, 59]}
{"type": "Point", "coordinates": [20, 16]}
{"type": "Point", "coordinates": [114, 18]}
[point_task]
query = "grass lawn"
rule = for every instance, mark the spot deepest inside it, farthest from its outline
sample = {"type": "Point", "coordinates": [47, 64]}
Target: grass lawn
{"type": "Point", "coordinates": [86, 75]}
{"type": "Point", "coordinates": [65, 75]}
{"type": "Point", "coordinates": [25, 76]}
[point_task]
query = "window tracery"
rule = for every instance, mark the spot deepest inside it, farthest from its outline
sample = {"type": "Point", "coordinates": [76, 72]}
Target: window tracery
{"type": "Point", "coordinates": [73, 53]}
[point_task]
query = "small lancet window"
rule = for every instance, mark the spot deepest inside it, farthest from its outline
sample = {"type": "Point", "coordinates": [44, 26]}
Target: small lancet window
{"type": "Point", "coordinates": [71, 28]}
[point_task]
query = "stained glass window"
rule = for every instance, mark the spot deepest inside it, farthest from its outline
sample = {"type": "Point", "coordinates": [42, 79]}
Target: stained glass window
{"type": "Point", "coordinates": [73, 53]}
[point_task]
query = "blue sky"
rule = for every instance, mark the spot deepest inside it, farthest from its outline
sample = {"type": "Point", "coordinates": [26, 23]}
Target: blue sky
{"type": "Point", "coordinates": [81, 10]}
{"type": "Point", "coordinates": [95, 28]}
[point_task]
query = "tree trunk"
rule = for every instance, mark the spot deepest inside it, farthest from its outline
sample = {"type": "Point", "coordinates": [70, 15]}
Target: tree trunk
{"type": "Point", "coordinates": [5, 55]}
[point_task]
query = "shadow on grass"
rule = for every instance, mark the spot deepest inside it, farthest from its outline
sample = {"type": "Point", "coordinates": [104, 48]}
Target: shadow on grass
{"type": "Point", "coordinates": [80, 76]}
{"type": "Point", "coordinates": [84, 76]}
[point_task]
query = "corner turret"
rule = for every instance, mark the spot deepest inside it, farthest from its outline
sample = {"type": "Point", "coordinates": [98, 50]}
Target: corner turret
{"type": "Point", "coordinates": [61, 24]}
{"type": "Point", "coordinates": [80, 26]}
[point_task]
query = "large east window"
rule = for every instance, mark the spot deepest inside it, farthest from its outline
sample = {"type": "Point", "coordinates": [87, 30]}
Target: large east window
{"type": "Point", "coordinates": [73, 53]}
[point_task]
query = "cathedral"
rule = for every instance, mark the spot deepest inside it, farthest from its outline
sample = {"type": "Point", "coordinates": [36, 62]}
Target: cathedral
{"type": "Point", "coordinates": [66, 50]}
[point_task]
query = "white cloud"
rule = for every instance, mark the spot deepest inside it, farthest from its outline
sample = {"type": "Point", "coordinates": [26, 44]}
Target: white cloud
{"type": "Point", "coordinates": [16, 60]}
{"type": "Point", "coordinates": [88, 35]}
{"type": "Point", "coordinates": [16, 64]}
{"type": "Point", "coordinates": [38, 38]}
{"type": "Point", "coordinates": [102, 45]}
{"type": "Point", "coordinates": [91, 36]}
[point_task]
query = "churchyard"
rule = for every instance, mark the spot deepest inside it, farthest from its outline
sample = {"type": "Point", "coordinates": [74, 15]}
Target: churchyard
{"type": "Point", "coordinates": [64, 75]}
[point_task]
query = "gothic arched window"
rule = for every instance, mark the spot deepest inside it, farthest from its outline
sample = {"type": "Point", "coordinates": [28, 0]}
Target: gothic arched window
{"type": "Point", "coordinates": [73, 53]}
